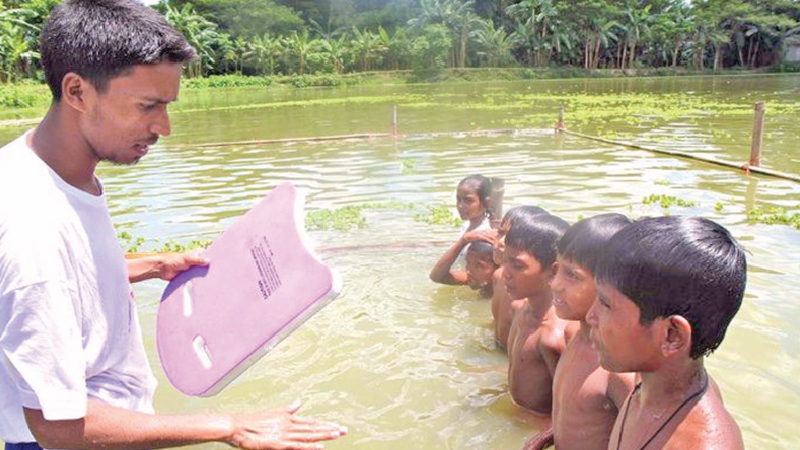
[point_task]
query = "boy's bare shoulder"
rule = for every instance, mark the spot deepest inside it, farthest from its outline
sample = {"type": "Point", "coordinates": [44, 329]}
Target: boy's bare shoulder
{"type": "Point", "coordinates": [553, 335]}
{"type": "Point", "coordinates": [708, 426]}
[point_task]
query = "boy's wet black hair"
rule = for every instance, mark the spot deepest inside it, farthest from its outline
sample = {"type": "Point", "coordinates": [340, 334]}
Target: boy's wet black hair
{"type": "Point", "coordinates": [537, 235]}
{"type": "Point", "coordinates": [102, 39]}
{"type": "Point", "coordinates": [524, 210]}
{"type": "Point", "coordinates": [687, 266]}
{"type": "Point", "coordinates": [483, 249]}
{"type": "Point", "coordinates": [585, 241]}
{"type": "Point", "coordinates": [483, 187]}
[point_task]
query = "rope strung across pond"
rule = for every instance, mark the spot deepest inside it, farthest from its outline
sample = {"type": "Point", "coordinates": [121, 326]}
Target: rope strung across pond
{"type": "Point", "coordinates": [707, 159]}
{"type": "Point", "coordinates": [346, 137]}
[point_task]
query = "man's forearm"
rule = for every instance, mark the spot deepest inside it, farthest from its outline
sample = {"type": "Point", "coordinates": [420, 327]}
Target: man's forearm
{"type": "Point", "coordinates": [113, 428]}
{"type": "Point", "coordinates": [144, 268]}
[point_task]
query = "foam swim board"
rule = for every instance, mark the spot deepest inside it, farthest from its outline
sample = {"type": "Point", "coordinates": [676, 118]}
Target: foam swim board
{"type": "Point", "coordinates": [264, 281]}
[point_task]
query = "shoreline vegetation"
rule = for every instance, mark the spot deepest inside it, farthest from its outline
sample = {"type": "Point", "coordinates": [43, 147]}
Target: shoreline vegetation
{"type": "Point", "coordinates": [297, 44]}
{"type": "Point", "coordinates": [27, 100]}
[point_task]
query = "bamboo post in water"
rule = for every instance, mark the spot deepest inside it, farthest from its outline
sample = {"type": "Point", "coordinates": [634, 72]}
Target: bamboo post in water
{"type": "Point", "coordinates": [394, 121]}
{"type": "Point", "coordinates": [758, 134]}
{"type": "Point", "coordinates": [496, 200]}
{"type": "Point", "coordinates": [560, 127]}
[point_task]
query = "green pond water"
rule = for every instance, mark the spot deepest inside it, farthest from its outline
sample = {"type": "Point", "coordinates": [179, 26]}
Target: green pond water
{"type": "Point", "coordinates": [405, 363]}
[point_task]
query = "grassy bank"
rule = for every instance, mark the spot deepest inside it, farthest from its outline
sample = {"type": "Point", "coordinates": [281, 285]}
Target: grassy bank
{"type": "Point", "coordinates": [30, 100]}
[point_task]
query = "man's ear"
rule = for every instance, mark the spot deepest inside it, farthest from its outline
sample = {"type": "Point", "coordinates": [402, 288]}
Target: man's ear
{"type": "Point", "coordinates": [677, 336]}
{"type": "Point", "coordinates": [74, 91]}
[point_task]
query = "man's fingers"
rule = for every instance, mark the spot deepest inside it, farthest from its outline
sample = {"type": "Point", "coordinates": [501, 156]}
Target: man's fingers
{"type": "Point", "coordinates": [296, 405]}
{"type": "Point", "coordinates": [312, 436]}
{"type": "Point", "coordinates": [194, 259]}
{"type": "Point", "coordinates": [317, 427]}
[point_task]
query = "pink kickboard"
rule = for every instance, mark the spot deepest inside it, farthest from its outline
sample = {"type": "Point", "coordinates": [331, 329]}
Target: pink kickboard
{"type": "Point", "coordinates": [263, 282]}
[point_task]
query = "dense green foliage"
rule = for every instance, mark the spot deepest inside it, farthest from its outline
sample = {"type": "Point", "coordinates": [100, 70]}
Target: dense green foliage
{"type": "Point", "coordinates": [269, 37]}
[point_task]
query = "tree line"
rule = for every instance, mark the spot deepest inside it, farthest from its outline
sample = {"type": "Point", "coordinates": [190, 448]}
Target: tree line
{"type": "Point", "coordinates": [267, 37]}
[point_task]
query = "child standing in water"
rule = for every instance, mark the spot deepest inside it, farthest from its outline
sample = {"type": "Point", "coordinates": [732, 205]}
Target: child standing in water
{"type": "Point", "coordinates": [586, 397]}
{"type": "Point", "coordinates": [537, 337]}
{"type": "Point", "coordinates": [667, 289]}
{"type": "Point", "coordinates": [502, 304]}
{"type": "Point", "coordinates": [480, 263]}
{"type": "Point", "coordinates": [473, 204]}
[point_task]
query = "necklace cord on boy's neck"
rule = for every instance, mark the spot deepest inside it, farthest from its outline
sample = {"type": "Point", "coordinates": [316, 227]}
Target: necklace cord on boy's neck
{"type": "Point", "coordinates": [669, 419]}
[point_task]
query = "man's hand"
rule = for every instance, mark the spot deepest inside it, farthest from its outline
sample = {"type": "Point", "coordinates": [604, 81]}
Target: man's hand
{"type": "Point", "coordinates": [174, 263]}
{"type": "Point", "coordinates": [165, 266]}
{"type": "Point", "coordinates": [281, 430]}
{"type": "Point", "coordinates": [111, 428]}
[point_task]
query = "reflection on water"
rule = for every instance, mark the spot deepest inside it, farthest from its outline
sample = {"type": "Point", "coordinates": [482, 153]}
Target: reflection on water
{"type": "Point", "coordinates": [406, 363]}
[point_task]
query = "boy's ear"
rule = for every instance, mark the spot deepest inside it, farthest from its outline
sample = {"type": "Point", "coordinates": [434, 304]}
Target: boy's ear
{"type": "Point", "coordinates": [553, 269]}
{"type": "Point", "coordinates": [677, 334]}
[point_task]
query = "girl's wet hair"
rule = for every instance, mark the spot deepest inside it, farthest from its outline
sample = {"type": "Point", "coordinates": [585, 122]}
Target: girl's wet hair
{"type": "Point", "coordinates": [538, 236]}
{"type": "Point", "coordinates": [687, 266]}
{"type": "Point", "coordinates": [483, 187]}
{"type": "Point", "coordinates": [585, 241]}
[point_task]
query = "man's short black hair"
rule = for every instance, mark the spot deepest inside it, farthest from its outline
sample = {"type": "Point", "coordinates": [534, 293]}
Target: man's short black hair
{"type": "Point", "coordinates": [102, 39]}
{"type": "Point", "coordinates": [538, 236]}
{"type": "Point", "coordinates": [482, 249]}
{"type": "Point", "coordinates": [585, 241]}
{"type": "Point", "coordinates": [687, 266]}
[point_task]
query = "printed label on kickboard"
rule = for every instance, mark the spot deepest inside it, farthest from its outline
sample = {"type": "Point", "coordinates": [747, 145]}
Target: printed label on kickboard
{"type": "Point", "coordinates": [269, 280]}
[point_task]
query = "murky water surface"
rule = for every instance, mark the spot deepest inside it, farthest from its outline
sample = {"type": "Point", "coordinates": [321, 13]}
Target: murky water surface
{"type": "Point", "coordinates": [409, 364]}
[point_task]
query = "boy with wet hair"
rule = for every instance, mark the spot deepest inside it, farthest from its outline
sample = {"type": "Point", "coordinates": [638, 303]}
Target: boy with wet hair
{"type": "Point", "coordinates": [537, 336]}
{"type": "Point", "coordinates": [667, 289]}
{"type": "Point", "coordinates": [586, 397]}
{"type": "Point", "coordinates": [503, 306]}
{"type": "Point", "coordinates": [480, 263]}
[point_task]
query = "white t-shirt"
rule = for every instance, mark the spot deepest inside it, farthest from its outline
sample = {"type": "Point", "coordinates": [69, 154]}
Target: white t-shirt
{"type": "Point", "coordinates": [68, 323]}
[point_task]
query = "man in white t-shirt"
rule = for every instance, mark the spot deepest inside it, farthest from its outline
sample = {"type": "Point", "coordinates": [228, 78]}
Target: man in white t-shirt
{"type": "Point", "coordinates": [73, 371]}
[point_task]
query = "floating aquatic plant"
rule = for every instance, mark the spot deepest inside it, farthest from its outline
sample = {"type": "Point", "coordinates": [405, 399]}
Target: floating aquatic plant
{"type": "Point", "coordinates": [666, 201]}
{"type": "Point", "coordinates": [341, 219]}
{"type": "Point", "coordinates": [438, 215]}
{"type": "Point", "coordinates": [774, 216]}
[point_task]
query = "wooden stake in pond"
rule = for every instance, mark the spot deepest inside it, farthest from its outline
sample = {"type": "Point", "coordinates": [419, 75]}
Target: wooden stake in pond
{"type": "Point", "coordinates": [560, 125]}
{"type": "Point", "coordinates": [758, 134]}
{"type": "Point", "coordinates": [496, 200]}
{"type": "Point", "coordinates": [394, 121]}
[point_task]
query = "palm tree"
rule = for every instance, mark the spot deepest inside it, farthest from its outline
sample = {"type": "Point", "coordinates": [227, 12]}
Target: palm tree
{"type": "Point", "coordinates": [17, 43]}
{"type": "Point", "coordinates": [200, 32]}
{"type": "Point", "coordinates": [337, 51]}
{"type": "Point", "coordinates": [301, 45]}
{"type": "Point", "coordinates": [366, 46]}
{"type": "Point", "coordinates": [599, 35]}
{"type": "Point", "coordinates": [266, 49]}
{"type": "Point", "coordinates": [674, 27]}
{"type": "Point", "coordinates": [496, 43]}
{"type": "Point", "coordinates": [637, 28]}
